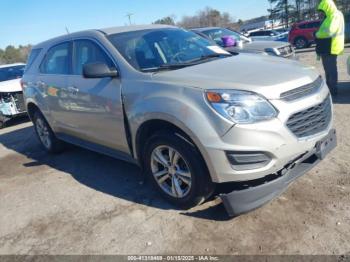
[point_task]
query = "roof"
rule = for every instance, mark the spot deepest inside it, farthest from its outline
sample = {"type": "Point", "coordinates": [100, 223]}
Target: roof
{"type": "Point", "coordinates": [10, 65]}
{"type": "Point", "coordinates": [122, 29]}
{"type": "Point", "coordinates": [106, 31]}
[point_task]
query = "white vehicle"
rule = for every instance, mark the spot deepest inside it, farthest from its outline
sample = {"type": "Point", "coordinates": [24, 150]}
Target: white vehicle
{"type": "Point", "coordinates": [11, 95]}
{"type": "Point", "coordinates": [268, 35]}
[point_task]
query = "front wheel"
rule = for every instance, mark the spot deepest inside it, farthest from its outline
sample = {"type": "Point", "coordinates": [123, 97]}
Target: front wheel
{"type": "Point", "coordinates": [177, 170]}
{"type": "Point", "coordinates": [301, 43]}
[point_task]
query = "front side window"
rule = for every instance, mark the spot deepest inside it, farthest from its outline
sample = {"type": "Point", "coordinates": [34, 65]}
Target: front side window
{"type": "Point", "coordinates": [57, 60]}
{"type": "Point", "coordinates": [148, 50]}
{"type": "Point", "coordinates": [11, 72]}
{"type": "Point", "coordinates": [85, 52]}
{"type": "Point", "coordinates": [260, 33]}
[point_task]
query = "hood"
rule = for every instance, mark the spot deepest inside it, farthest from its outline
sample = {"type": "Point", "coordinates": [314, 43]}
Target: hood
{"type": "Point", "coordinates": [266, 75]}
{"type": "Point", "coordinates": [10, 86]}
{"type": "Point", "coordinates": [328, 7]}
{"type": "Point", "coordinates": [260, 46]}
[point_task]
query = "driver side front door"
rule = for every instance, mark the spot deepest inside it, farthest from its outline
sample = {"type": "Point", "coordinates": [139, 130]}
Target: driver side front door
{"type": "Point", "coordinates": [95, 105]}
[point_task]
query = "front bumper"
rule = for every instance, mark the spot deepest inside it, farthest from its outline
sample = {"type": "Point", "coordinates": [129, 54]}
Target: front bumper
{"type": "Point", "coordinates": [262, 191]}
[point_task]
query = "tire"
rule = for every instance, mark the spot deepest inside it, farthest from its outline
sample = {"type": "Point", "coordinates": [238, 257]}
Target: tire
{"type": "Point", "coordinates": [45, 134]}
{"type": "Point", "coordinates": [2, 121]}
{"type": "Point", "coordinates": [301, 42]}
{"type": "Point", "coordinates": [193, 184]}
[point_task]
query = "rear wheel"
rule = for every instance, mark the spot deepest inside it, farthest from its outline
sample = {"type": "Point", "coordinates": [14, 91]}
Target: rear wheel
{"type": "Point", "coordinates": [177, 170]}
{"type": "Point", "coordinates": [301, 42]}
{"type": "Point", "coordinates": [46, 136]}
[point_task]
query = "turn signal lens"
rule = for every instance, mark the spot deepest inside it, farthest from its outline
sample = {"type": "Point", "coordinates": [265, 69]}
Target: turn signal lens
{"type": "Point", "coordinates": [241, 107]}
{"type": "Point", "coordinates": [213, 97]}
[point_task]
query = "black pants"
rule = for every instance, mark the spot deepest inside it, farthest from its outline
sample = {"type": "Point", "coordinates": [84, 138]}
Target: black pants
{"type": "Point", "coordinates": [330, 67]}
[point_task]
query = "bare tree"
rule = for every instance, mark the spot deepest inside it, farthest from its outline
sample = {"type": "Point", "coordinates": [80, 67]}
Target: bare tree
{"type": "Point", "coordinates": [207, 17]}
{"type": "Point", "coordinates": [168, 20]}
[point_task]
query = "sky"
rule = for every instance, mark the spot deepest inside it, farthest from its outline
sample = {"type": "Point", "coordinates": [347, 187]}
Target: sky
{"type": "Point", "coordinates": [32, 21]}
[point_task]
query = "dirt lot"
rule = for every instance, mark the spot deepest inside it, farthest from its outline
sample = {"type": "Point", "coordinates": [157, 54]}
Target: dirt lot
{"type": "Point", "coordinates": [81, 202]}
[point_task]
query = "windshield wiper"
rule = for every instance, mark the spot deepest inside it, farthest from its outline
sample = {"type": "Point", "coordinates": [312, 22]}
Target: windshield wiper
{"type": "Point", "coordinates": [182, 65]}
{"type": "Point", "coordinates": [206, 57]}
{"type": "Point", "coordinates": [167, 67]}
{"type": "Point", "coordinates": [214, 55]}
{"type": "Point", "coordinates": [175, 66]}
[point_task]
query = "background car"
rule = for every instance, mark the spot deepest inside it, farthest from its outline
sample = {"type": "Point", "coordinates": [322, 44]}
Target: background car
{"type": "Point", "coordinates": [302, 34]}
{"type": "Point", "coordinates": [11, 95]}
{"type": "Point", "coordinates": [244, 44]}
{"type": "Point", "coordinates": [268, 35]}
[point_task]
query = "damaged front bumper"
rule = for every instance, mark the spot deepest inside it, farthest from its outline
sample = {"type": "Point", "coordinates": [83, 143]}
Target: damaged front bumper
{"type": "Point", "coordinates": [11, 104]}
{"type": "Point", "coordinates": [261, 192]}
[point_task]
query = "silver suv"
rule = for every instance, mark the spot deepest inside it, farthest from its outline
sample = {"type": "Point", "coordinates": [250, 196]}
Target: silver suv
{"type": "Point", "coordinates": [190, 114]}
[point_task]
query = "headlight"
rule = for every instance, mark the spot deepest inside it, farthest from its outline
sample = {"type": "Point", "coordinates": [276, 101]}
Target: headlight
{"type": "Point", "coordinates": [241, 107]}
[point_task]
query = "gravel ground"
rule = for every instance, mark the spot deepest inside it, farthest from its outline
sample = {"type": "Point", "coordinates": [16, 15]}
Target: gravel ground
{"type": "Point", "coordinates": [81, 202]}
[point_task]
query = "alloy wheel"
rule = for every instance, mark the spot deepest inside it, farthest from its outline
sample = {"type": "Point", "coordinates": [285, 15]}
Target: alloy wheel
{"type": "Point", "coordinates": [171, 171]}
{"type": "Point", "coordinates": [300, 43]}
{"type": "Point", "coordinates": [43, 133]}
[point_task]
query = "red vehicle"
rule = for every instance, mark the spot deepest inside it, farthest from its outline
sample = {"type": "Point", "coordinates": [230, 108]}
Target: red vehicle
{"type": "Point", "coordinates": [302, 34]}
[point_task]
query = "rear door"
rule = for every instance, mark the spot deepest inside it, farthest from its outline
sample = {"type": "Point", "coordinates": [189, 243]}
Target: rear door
{"type": "Point", "coordinates": [52, 81]}
{"type": "Point", "coordinates": [95, 105]}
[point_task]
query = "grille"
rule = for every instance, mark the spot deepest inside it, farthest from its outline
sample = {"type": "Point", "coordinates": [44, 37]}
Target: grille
{"type": "Point", "coordinates": [312, 120]}
{"type": "Point", "coordinates": [19, 100]}
{"type": "Point", "coordinates": [286, 50]}
{"type": "Point", "coordinates": [302, 91]}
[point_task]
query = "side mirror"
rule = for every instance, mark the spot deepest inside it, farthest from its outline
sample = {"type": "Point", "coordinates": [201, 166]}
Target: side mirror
{"type": "Point", "coordinates": [98, 70]}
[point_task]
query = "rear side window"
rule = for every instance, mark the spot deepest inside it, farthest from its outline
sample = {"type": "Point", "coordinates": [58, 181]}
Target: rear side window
{"type": "Point", "coordinates": [85, 52]}
{"type": "Point", "coordinates": [33, 55]}
{"type": "Point", "coordinates": [310, 25]}
{"type": "Point", "coordinates": [57, 60]}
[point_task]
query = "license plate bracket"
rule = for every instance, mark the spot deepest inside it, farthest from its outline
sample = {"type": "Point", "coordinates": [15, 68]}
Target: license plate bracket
{"type": "Point", "coordinates": [326, 145]}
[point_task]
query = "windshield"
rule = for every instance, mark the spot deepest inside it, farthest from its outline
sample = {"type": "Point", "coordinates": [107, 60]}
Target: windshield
{"type": "Point", "coordinates": [10, 73]}
{"type": "Point", "coordinates": [169, 48]}
{"type": "Point", "coordinates": [217, 34]}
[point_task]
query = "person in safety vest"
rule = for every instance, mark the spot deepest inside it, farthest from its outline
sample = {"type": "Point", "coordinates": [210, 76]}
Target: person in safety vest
{"type": "Point", "coordinates": [330, 40]}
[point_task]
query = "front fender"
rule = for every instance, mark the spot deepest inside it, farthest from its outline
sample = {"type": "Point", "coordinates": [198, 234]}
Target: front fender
{"type": "Point", "coordinates": [185, 108]}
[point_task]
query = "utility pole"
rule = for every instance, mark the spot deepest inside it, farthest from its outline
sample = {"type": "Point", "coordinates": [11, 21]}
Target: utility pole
{"type": "Point", "coordinates": [129, 15]}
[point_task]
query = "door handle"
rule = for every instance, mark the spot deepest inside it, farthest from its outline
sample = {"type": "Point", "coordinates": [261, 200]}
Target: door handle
{"type": "Point", "coordinates": [73, 89]}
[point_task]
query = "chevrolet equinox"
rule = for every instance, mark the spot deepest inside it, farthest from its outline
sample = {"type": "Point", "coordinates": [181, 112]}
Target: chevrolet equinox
{"type": "Point", "coordinates": [191, 115]}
